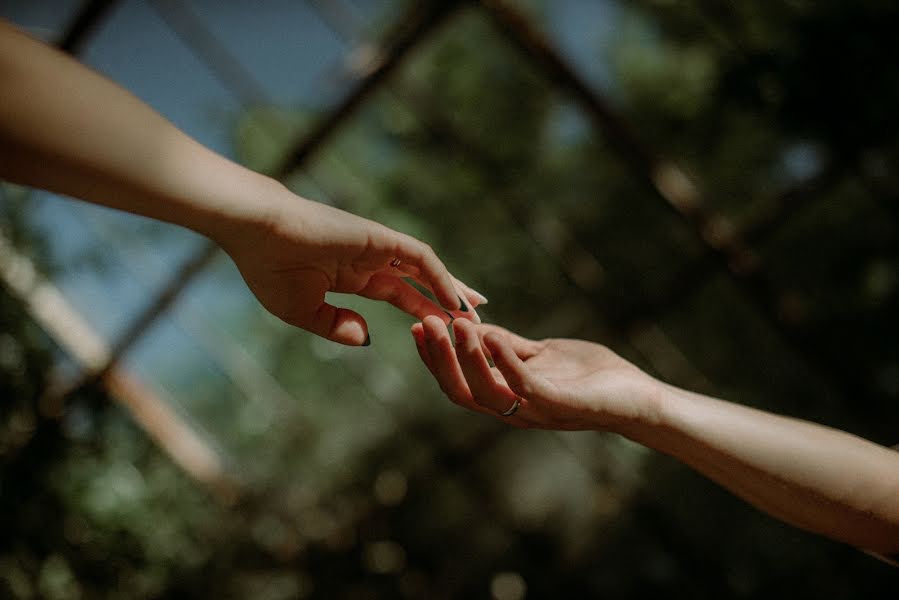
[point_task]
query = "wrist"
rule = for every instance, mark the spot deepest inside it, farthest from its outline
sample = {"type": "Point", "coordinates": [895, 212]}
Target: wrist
{"type": "Point", "coordinates": [649, 409]}
{"type": "Point", "coordinates": [246, 211]}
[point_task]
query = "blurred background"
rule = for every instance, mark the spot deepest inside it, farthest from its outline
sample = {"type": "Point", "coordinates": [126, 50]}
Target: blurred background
{"type": "Point", "coordinates": [708, 188]}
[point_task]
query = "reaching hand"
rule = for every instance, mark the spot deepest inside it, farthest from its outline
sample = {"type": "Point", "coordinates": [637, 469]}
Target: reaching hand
{"type": "Point", "coordinates": [557, 383]}
{"type": "Point", "coordinates": [309, 249]}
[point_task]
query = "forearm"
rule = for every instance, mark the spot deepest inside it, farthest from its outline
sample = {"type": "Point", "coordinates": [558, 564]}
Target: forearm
{"type": "Point", "coordinates": [813, 477]}
{"type": "Point", "coordinates": [67, 129]}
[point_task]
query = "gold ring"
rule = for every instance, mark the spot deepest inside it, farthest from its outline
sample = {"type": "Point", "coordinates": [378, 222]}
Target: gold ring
{"type": "Point", "coordinates": [512, 409]}
{"type": "Point", "coordinates": [395, 263]}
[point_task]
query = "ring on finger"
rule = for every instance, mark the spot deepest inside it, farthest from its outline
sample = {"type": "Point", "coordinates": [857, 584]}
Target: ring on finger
{"type": "Point", "coordinates": [512, 409]}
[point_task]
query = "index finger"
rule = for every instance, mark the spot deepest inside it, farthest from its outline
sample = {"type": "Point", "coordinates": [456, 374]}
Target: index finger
{"type": "Point", "coordinates": [432, 270]}
{"type": "Point", "coordinates": [485, 389]}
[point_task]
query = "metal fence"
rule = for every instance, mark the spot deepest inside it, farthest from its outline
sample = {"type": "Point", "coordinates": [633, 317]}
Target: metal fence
{"type": "Point", "coordinates": [727, 251]}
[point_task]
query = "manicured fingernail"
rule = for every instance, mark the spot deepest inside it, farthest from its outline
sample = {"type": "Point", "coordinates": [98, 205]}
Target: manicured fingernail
{"type": "Point", "coordinates": [367, 341]}
{"type": "Point", "coordinates": [463, 308]}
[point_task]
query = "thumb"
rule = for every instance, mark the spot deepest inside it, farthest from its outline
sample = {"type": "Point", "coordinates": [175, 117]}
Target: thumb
{"type": "Point", "coordinates": [340, 325]}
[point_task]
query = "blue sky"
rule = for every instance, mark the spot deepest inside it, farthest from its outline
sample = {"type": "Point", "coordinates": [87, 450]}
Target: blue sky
{"type": "Point", "coordinates": [298, 61]}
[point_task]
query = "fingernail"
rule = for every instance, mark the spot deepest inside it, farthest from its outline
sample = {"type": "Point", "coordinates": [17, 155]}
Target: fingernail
{"type": "Point", "coordinates": [463, 308]}
{"type": "Point", "coordinates": [481, 298]}
{"type": "Point", "coordinates": [367, 341]}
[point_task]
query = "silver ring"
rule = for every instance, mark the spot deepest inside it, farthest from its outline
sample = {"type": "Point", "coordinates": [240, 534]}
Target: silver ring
{"type": "Point", "coordinates": [512, 409]}
{"type": "Point", "coordinates": [395, 263]}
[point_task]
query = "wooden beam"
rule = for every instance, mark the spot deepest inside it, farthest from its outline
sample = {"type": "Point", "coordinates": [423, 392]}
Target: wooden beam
{"type": "Point", "coordinates": [151, 411]}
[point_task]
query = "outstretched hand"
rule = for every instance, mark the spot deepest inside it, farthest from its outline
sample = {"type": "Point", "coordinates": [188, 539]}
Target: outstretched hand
{"type": "Point", "coordinates": [306, 249]}
{"type": "Point", "coordinates": [558, 383]}
{"type": "Point", "coordinates": [290, 251]}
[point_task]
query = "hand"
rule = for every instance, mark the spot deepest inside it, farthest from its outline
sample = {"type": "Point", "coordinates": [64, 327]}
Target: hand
{"type": "Point", "coordinates": [560, 384]}
{"type": "Point", "coordinates": [289, 250]}
{"type": "Point", "coordinates": [305, 249]}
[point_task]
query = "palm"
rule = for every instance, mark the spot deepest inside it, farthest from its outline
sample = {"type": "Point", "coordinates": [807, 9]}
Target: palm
{"type": "Point", "coordinates": [583, 377]}
{"type": "Point", "coordinates": [556, 383]}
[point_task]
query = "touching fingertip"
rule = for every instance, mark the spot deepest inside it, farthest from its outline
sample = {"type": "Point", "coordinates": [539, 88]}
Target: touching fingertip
{"type": "Point", "coordinates": [452, 302]}
{"type": "Point", "coordinates": [433, 322]}
{"type": "Point", "coordinates": [430, 320]}
{"type": "Point", "coordinates": [459, 325]}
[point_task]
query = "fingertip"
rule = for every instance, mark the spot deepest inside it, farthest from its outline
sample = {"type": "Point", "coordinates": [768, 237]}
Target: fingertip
{"type": "Point", "coordinates": [492, 340]}
{"type": "Point", "coordinates": [462, 329]}
{"type": "Point", "coordinates": [459, 325]}
{"type": "Point", "coordinates": [472, 315]}
{"type": "Point", "coordinates": [452, 302]}
{"type": "Point", "coordinates": [433, 326]}
{"type": "Point", "coordinates": [350, 329]}
{"type": "Point", "coordinates": [431, 321]}
{"type": "Point", "coordinates": [474, 297]}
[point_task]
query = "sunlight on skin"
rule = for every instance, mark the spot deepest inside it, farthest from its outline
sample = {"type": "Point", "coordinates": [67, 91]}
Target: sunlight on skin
{"type": "Point", "coordinates": [817, 478]}
{"type": "Point", "coordinates": [104, 145]}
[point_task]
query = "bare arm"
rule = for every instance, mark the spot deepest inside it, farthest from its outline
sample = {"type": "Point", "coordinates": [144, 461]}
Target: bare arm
{"type": "Point", "coordinates": [67, 129]}
{"type": "Point", "coordinates": [813, 477]}
{"type": "Point", "coordinates": [70, 130]}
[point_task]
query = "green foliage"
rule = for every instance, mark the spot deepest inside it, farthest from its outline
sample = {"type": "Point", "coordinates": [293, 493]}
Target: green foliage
{"type": "Point", "coordinates": [264, 134]}
{"type": "Point", "coordinates": [367, 484]}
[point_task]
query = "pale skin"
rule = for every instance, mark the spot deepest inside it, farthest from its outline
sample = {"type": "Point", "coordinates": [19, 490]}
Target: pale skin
{"type": "Point", "coordinates": [819, 479]}
{"type": "Point", "coordinates": [69, 130]}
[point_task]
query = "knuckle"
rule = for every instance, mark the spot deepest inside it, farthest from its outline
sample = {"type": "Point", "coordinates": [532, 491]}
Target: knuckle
{"type": "Point", "coordinates": [527, 385]}
{"type": "Point", "coordinates": [469, 352]}
{"type": "Point", "coordinates": [430, 256]}
{"type": "Point", "coordinates": [393, 295]}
